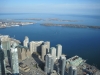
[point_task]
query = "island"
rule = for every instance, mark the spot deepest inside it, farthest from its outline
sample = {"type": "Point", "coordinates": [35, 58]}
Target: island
{"type": "Point", "coordinates": [47, 19]}
{"type": "Point", "coordinates": [71, 25]}
{"type": "Point", "coordinates": [13, 22]}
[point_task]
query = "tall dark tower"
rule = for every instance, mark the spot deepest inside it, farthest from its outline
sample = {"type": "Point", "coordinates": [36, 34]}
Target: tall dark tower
{"type": "Point", "coordinates": [63, 64]}
{"type": "Point", "coordinates": [2, 63]}
{"type": "Point", "coordinates": [5, 45]}
{"type": "Point", "coordinates": [0, 66]}
{"type": "Point", "coordinates": [72, 70]}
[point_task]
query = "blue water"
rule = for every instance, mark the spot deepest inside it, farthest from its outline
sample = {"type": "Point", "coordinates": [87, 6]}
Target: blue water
{"type": "Point", "coordinates": [84, 42]}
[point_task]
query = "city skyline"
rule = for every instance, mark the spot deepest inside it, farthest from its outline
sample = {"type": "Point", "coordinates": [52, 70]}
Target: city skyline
{"type": "Point", "coordinates": [49, 37]}
{"type": "Point", "coordinates": [90, 7]}
{"type": "Point", "coordinates": [26, 63]}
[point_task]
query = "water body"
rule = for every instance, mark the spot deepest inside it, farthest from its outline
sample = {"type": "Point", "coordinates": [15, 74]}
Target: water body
{"type": "Point", "coordinates": [84, 42]}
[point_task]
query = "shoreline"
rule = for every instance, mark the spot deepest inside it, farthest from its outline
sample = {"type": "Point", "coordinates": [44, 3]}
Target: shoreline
{"type": "Point", "coordinates": [14, 24]}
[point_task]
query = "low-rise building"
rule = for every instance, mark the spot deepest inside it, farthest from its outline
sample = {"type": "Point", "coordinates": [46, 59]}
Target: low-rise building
{"type": "Point", "coordinates": [74, 61]}
{"type": "Point", "coordinates": [23, 52]}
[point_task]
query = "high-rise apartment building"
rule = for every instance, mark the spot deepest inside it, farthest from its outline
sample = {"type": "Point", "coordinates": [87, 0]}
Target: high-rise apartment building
{"type": "Point", "coordinates": [48, 45]}
{"type": "Point", "coordinates": [23, 52]}
{"type": "Point", "coordinates": [26, 41]}
{"type": "Point", "coordinates": [5, 45]}
{"type": "Point", "coordinates": [49, 64]}
{"type": "Point", "coordinates": [0, 69]}
{"type": "Point", "coordinates": [72, 70]}
{"type": "Point", "coordinates": [0, 62]}
{"type": "Point", "coordinates": [53, 53]}
{"type": "Point", "coordinates": [14, 60]}
{"type": "Point", "coordinates": [63, 64]}
{"type": "Point", "coordinates": [32, 47]}
{"type": "Point", "coordinates": [59, 51]}
{"type": "Point", "coordinates": [45, 49]}
{"type": "Point", "coordinates": [35, 46]}
{"type": "Point", "coordinates": [57, 68]}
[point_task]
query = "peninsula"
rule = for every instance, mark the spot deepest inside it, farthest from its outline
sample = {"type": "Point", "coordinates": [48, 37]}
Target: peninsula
{"type": "Point", "coordinates": [4, 24]}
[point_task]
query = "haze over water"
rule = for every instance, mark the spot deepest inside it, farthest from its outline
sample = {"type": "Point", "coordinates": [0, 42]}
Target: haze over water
{"type": "Point", "coordinates": [83, 42]}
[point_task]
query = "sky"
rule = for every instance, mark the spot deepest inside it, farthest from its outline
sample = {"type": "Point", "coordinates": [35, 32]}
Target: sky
{"type": "Point", "coordinates": [84, 7]}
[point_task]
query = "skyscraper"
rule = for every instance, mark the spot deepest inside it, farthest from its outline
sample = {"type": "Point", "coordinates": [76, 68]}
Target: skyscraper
{"type": "Point", "coordinates": [49, 64]}
{"type": "Point", "coordinates": [52, 64]}
{"type": "Point", "coordinates": [35, 46]}
{"type": "Point", "coordinates": [45, 49]}
{"type": "Point", "coordinates": [23, 52]}
{"type": "Point", "coordinates": [14, 60]}
{"type": "Point", "coordinates": [72, 70]}
{"type": "Point", "coordinates": [26, 41]}
{"type": "Point", "coordinates": [63, 63]}
{"type": "Point", "coordinates": [59, 50]}
{"type": "Point", "coordinates": [0, 67]}
{"type": "Point", "coordinates": [57, 68]}
{"type": "Point", "coordinates": [32, 47]}
{"type": "Point", "coordinates": [48, 45]}
{"type": "Point", "coordinates": [53, 53]}
{"type": "Point", "coordinates": [5, 45]}
{"type": "Point", "coordinates": [2, 64]}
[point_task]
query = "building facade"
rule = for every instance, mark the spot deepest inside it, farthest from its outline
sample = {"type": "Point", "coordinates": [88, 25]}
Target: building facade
{"type": "Point", "coordinates": [72, 70]}
{"type": "Point", "coordinates": [48, 45]}
{"type": "Point", "coordinates": [45, 49]}
{"type": "Point", "coordinates": [63, 64]}
{"type": "Point", "coordinates": [59, 51]}
{"type": "Point", "coordinates": [35, 46]}
{"type": "Point", "coordinates": [49, 64]}
{"type": "Point", "coordinates": [53, 53]}
{"type": "Point", "coordinates": [5, 45]}
{"type": "Point", "coordinates": [14, 60]}
{"type": "Point", "coordinates": [26, 41]}
{"type": "Point", "coordinates": [32, 47]}
{"type": "Point", "coordinates": [23, 52]}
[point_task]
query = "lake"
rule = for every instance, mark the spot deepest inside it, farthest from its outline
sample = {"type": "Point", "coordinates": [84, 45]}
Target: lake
{"type": "Point", "coordinates": [84, 42]}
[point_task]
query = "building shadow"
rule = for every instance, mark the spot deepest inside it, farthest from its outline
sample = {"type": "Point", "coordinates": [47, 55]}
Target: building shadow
{"type": "Point", "coordinates": [39, 62]}
{"type": "Point", "coordinates": [9, 59]}
{"type": "Point", "coordinates": [39, 50]}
